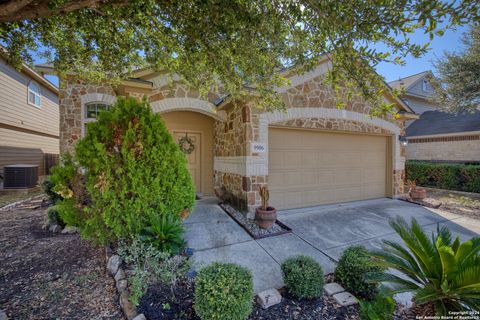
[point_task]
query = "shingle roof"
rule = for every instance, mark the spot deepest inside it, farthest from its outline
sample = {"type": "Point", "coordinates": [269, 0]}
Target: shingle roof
{"type": "Point", "coordinates": [437, 122]}
{"type": "Point", "coordinates": [408, 81]}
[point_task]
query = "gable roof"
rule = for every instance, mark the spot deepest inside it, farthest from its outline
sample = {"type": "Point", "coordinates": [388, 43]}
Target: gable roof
{"type": "Point", "coordinates": [437, 123]}
{"type": "Point", "coordinates": [409, 81]}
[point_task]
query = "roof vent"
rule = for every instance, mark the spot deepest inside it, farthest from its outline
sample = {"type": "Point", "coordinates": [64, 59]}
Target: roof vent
{"type": "Point", "coordinates": [20, 176]}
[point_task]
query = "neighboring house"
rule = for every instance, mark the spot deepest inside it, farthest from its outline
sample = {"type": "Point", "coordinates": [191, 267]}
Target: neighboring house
{"type": "Point", "coordinates": [436, 135]}
{"type": "Point", "coordinates": [29, 118]}
{"type": "Point", "coordinates": [445, 137]}
{"type": "Point", "coordinates": [311, 154]}
{"type": "Point", "coordinates": [417, 92]}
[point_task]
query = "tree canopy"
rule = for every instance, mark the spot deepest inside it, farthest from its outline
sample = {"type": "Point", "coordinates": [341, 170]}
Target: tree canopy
{"type": "Point", "coordinates": [232, 42]}
{"type": "Point", "coordinates": [458, 82]}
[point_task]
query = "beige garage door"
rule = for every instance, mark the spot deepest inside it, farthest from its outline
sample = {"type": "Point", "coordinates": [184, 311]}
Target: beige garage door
{"type": "Point", "coordinates": [308, 168]}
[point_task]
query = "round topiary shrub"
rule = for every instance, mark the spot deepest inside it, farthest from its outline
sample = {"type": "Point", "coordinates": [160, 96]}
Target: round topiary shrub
{"type": "Point", "coordinates": [223, 291]}
{"type": "Point", "coordinates": [352, 269]}
{"type": "Point", "coordinates": [303, 277]}
{"type": "Point", "coordinates": [131, 179]}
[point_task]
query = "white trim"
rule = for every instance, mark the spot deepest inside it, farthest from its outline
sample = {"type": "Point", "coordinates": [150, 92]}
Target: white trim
{"type": "Point", "coordinates": [188, 104]}
{"type": "Point", "coordinates": [441, 135]}
{"type": "Point", "coordinates": [242, 165]}
{"type": "Point", "coordinates": [100, 98]}
{"type": "Point", "coordinates": [36, 94]}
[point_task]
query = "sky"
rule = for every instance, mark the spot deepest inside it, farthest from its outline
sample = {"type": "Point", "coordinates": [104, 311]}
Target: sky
{"type": "Point", "coordinates": [450, 41]}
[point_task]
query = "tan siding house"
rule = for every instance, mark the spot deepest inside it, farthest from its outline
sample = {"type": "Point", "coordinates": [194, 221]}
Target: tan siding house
{"type": "Point", "coordinates": [29, 117]}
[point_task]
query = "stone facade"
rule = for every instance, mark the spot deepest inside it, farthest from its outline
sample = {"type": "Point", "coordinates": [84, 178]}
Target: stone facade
{"type": "Point", "coordinates": [72, 95]}
{"type": "Point", "coordinates": [238, 171]}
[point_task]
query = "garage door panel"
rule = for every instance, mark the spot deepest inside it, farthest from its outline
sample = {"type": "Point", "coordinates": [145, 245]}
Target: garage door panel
{"type": "Point", "coordinates": [308, 168]}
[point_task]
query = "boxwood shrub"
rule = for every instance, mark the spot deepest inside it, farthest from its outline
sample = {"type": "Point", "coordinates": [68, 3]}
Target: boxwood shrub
{"type": "Point", "coordinates": [352, 270]}
{"type": "Point", "coordinates": [223, 291]}
{"type": "Point", "coordinates": [451, 176]}
{"type": "Point", "coordinates": [303, 277]}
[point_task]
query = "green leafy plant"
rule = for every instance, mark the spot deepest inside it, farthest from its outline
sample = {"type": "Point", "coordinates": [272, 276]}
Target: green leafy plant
{"type": "Point", "coordinates": [128, 177]}
{"type": "Point", "coordinates": [437, 270]}
{"type": "Point", "coordinates": [47, 188]}
{"type": "Point", "coordinates": [54, 217]}
{"type": "Point", "coordinates": [451, 176]}
{"type": "Point", "coordinates": [149, 265]}
{"type": "Point", "coordinates": [353, 266]}
{"type": "Point", "coordinates": [303, 277]}
{"type": "Point", "coordinates": [223, 291]}
{"type": "Point", "coordinates": [165, 233]}
{"type": "Point", "coordinates": [382, 308]}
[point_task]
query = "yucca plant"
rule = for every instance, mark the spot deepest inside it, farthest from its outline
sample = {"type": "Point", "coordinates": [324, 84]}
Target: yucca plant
{"type": "Point", "coordinates": [436, 270]}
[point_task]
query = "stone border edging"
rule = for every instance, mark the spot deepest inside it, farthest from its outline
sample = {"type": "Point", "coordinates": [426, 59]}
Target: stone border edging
{"type": "Point", "coordinates": [114, 267]}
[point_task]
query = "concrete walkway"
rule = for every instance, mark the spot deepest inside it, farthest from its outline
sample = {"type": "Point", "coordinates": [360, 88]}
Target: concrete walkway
{"type": "Point", "coordinates": [321, 232]}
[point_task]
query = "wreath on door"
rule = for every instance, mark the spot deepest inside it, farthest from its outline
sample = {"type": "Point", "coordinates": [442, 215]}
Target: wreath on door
{"type": "Point", "coordinates": [186, 144]}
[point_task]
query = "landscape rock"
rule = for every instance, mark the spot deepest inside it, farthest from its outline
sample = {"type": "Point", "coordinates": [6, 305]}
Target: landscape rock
{"type": "Point", "coordinates": [333, 288]}
{"type": "Point", "coordinates": [140, 317]}
{"type": "Point", "coordinates": [122, 285]}
{"type": "Point", "coordinates": [113, 264]}
{"type": "Point", "coordinates": [345, 299]}
{"type": "Point", "coordinates": [120, 275]}
{"type": "Point", "coordinates": [128, 307]}
{"type": "Point", "coordinates": [269, 298]}
{"type": "Point", "coordinates": [69, 230]}
{"type": "Point", "coordinates": [55, 228]}
{"type": "Point", "coordinates": [3, 315]}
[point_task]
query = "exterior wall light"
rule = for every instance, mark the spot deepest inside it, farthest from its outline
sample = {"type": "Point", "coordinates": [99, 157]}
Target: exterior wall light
{"type": "Point", "coordinates": [403, 141]}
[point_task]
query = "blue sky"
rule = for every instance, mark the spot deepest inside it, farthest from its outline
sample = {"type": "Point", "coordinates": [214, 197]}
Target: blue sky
{"type": "Point", "coordinates": [450, 41]}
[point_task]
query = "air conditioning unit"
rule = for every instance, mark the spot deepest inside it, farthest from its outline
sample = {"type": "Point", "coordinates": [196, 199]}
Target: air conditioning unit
{"type": "Point", "coordinates": [20, 176]}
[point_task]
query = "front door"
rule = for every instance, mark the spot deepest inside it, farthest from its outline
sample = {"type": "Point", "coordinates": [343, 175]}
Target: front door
{"type": "Point", "coordinates": [190, 145]}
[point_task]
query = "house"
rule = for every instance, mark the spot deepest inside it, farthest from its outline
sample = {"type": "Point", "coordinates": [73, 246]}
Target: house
{"type": "Point", "coordinates": [29, 118]}
{"type": "Point", "coordinates": [311, 154]}
{"type": "Point", "coordinates": [417, 92]}
{"type": "Point", "coordinates": [437, 136]}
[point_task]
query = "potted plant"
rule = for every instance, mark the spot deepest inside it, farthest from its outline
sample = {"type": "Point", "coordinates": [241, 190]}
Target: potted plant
{"type": "Point", "coordinates": [265, 215]}
{"type": "Point", "coordinates": [416, 193]}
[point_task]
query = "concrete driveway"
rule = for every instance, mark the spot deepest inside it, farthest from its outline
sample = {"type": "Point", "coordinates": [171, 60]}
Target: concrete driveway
{"type": "Point", "coordinates": [321, 232]}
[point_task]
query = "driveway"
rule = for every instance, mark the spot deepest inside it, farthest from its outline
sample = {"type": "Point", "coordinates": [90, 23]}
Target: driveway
{"type": "Point", "coordinates": [321, 232]}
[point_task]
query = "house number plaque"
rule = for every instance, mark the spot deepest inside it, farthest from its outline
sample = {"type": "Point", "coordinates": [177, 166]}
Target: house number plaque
{"type": "Point", "coordinates": [258, 147]}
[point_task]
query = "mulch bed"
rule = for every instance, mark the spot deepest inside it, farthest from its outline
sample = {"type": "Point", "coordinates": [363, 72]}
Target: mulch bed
{"type": "Point", "coordinates": [158, 304]}
{"type": "Point", "coordinates": [51, 276]}
{"type": "Point", "coordinates": [462, 203]}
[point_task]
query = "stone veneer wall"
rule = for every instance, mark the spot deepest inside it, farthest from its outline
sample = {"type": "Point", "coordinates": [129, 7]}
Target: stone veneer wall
{"type": "Point", "coordinates": [230, 142]}
{"type": "Point", "coordinates": [70, 104]}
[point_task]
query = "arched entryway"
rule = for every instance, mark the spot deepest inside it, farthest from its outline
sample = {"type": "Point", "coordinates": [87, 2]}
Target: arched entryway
{"type": "Point", "coordinates": [196, 131]}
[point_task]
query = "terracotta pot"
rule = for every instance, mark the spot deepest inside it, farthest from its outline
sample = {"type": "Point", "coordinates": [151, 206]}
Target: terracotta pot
{"type": "Point", "coordinates": [266, 218]}
{"type": "Point", "coordinates": [418, 193]}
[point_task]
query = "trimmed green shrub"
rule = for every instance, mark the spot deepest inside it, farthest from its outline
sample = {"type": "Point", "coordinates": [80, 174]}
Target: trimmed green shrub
{"type": "Point", "coordinates": [382, 308]}
{"type": "Point", "coordinates": [461, 177]}
{"type": "Point", "coordinates": [303, 277]}
{"type": "Point", "coordinates": [352, 270]}
{"type": "Point", "coordinates": [437, 269]}
{"type": "Point", "coordinates": [128, 178]}
{"type": "Point", "coordinates": [54, 217]}
{"type": "Point", "coordinates": [47, 187]}
{"type": "Point", "coordinates": [223, 291]}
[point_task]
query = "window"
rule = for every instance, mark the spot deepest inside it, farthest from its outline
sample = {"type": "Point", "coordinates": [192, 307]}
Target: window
{"type": "Point", "coordinates": [34, 94]}
{"type": "Point", "coordinates": [90, 113]}
{"type": "Point", "coordinates": [93, 109]}
{"type": "Point", "coordinates": [425, 86]}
